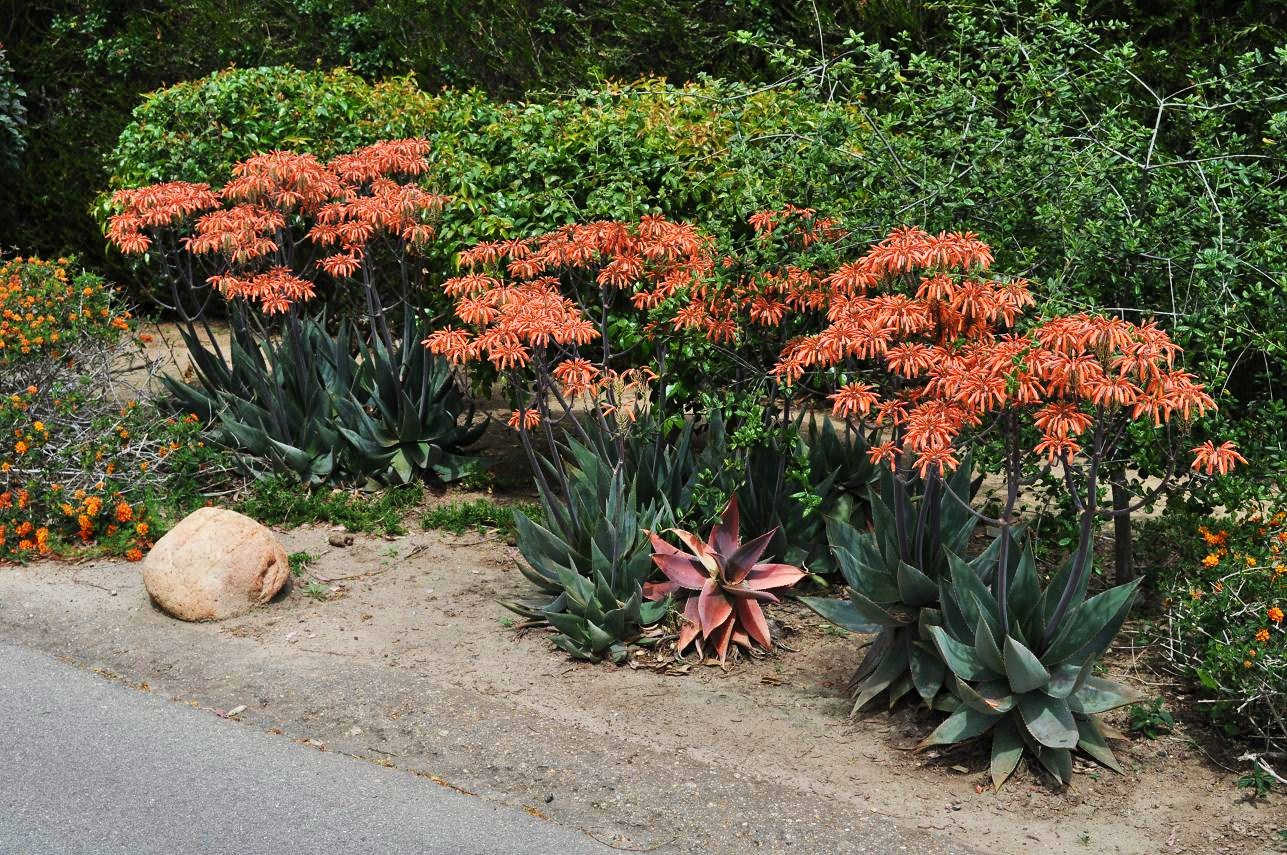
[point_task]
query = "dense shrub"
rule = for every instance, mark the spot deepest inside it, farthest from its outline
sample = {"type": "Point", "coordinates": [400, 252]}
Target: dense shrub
{"type": "Point", "coordinates": [1225, 629]}
{"type": "Point", "coordinates": [13, 115]}
{"type": "Point", "coordinates": [197, 131]}
{"type": "Point", "coordinates": [1023, 144]}
{"type": "Point", "coordinates": [708, 151]}
{"type": "Point", "coordinates": [82, 463]}
{"type": "Point", "coordinates": [86, 63]}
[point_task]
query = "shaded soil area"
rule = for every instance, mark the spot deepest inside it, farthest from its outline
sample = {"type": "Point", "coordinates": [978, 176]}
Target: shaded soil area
{"type": "Point", "coordinates": [402, 656]}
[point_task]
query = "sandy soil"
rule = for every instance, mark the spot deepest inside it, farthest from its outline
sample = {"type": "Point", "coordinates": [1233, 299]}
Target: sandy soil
{"type": "Point", "coordinates": [410, 662]}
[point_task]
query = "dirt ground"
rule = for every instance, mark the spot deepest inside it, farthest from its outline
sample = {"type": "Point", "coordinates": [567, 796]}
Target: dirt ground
{"type": "Point", "coordinates": [409, 661]}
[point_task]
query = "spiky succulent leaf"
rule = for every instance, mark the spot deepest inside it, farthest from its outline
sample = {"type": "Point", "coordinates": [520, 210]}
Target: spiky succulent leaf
{"type": "Point", "coordinates": [927, 670]}
{"type": "Point", "coordinates": [1099, 695]}
{"type": "Point", "coordinates": [1023, 668]}
{"type": "Point", "coordinates": [965, 723]}
{"type": "Point", "coordinates": [1092, 741]}
{"type": "Point", "coordinates": [732, 583]}
{"type": "Point", "coordinates": [1092, 625]}
{"type": "Point", "coordinates": [1048, 719]}
{"type": "Point", "coordinates": [1007, 751]}
{"type": "Point", "coordinates": [960, 658]}
{"type": "Point", "coordinates": [842, 613]}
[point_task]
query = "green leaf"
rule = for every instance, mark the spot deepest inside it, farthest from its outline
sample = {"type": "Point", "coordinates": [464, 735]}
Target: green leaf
{"type": "Point", "coordinates": [843, 614]}
{"type": "Point", "coordinates": [927, 671]}
{"type": "Point", "coordinates": [1058, 762]}
{"type": "Point", "coordinates": [1089, 628]}
{"type": "Point", "coordinates": [1092, 741]}
{"type": "Point", "coordinates": [971, 596]}
{"type": "Point", "coordinates": [914, 587]}
{"type": "Point", "coordinates": [865, 571]}
{"type": "Point", "coordinates": [960, 658]}
{"type": "Point", "coordinates": [965, 723]}
{"type": "Point", "coordinates": [891, 666]}
{"type": "Point", "coordinates": [1063, 680]}
{"type": "Point", "coordinates": [1099, 695]}
{"type": "Point", "coordinates": [1007, 750]}
{"type": "Point", "coordinates": [1049, 720]}
{"type": "Point", "coordinates": [985, 647]}
{"type": "Point", "coordinates": [994, 703]}
{"type": "Point", "coordinates": [1024, 589]}
{"type": "Point", "coordinates": [1050, 598]}
{"type": "Point", "coordinates": [891, 614]}
{"type": "Point", "coordinates": [1023, 668]}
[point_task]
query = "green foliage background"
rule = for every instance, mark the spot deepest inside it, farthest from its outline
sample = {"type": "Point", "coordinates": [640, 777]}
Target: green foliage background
{"type": "Point", "coordinates": [13, 115]}
{"type": "Point", "coordinates": [84, 65]}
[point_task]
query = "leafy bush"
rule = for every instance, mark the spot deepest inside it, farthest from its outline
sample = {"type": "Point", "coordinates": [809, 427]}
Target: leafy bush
{"type": "Point", "coordinates": [710, 151]}
{"type": "Point", "coordinates": [84, 463]}
{"type": "Point", "coordinates": [13, 115]}
{"type": "Point", "coordinates": [198, 130]}
{"type": "Point", "coordinates": [87, 63]}
{"type": "Point", "coordinates": [1092, 167]}
{"type": "Point", "coordinates": [1225, 625]}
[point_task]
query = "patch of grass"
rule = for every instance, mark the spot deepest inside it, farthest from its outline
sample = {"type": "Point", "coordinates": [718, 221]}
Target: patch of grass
{"type": "Point", "coordinates": [286, 503]}
{"type": "Point", "coordinates": [317, 591]}
{"type": "Point", "coordinates": [480, 480]}
{"type": "Point", "coordinates": [299, 561]}
{"type": "Point", "coordinates": [476, 515]}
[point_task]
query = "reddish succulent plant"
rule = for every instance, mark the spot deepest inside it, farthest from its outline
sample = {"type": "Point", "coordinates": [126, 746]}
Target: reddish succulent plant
{"type": "Point", "coordinates": [727, 582]}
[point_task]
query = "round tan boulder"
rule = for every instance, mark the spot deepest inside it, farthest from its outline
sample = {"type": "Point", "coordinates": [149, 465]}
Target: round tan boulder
{"type": "Point", "coordinates": [215, 564]}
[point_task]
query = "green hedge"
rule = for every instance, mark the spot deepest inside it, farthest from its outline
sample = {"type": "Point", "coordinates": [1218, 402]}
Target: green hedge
{"type": "Point", "coordinates": [708, 151]}
{"type": "Point", "coordinates": [85, 64]}
{"type": "Point", "coordinates": [195, 131]}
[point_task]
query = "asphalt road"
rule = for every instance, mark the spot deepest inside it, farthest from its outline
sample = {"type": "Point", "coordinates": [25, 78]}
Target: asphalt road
{"type": "Point", "coordinates": [89, 766]}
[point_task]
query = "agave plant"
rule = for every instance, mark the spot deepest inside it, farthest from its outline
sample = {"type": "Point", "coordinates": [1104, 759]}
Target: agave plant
{"type": "Point", "coordinates": [728, 585]}
{"type": "Point", "coordinates": [895, 572]}
{"type": "Point", "coordinates": [589, 561]}
{"type": "Point", "coordinates": [1008, 680]}
{"type": "Point", "coordinates": [332, 407]}
{"type": "Point", "coordinates": [405, 415]}
{"type": "Point", "coordinates": [842, 457]}
{"type": "Point", "coordinates": [274, 399]}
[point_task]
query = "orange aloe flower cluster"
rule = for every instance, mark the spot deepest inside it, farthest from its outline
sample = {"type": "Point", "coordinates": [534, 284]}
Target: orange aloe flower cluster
{"type": "Point", "coordinates": [924, 309]}
{"type": "Point", "coordinates": [346, 205]}
{"type": "Point", "coordinates": [743, 292]}
{"type": "Point", "coordinates": [539, 305]}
